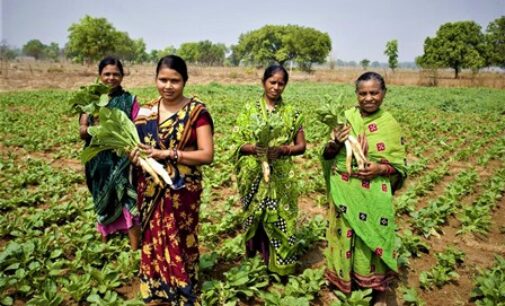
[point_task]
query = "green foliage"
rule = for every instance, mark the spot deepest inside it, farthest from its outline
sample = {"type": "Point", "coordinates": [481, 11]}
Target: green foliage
{"type": "Point", "coordinates": [364, 63]}
{"type": "Point", "coordinates": [204, 52]}
{"type": "Point", "coordinates": [495, 42]}
{"type": "Point", "coordinates": [356, 298]}
{"type": "Point", "coordinates": [300, 290]}
{"type": "Point", "coordinates": [115, 132]}
{"type": "Point", "coordinates": [411, 297]}
{"type": "Point", "coordinates": [490, 285]}
{"type": "Point", "coordinates": [332, 113]}
{"type": "Point", "coordinates": [89, 99]}
{"type": "Point", "coordinates": [456, 45]}
{"type": "Point", "coordinates": [392, 53]}
{"type": "Point", "coordinates": [34, 48]}
{"type": "Point", "coordinates": [444, 271]}
{"type": "Point", "coordinates": [276, 43]}
{"type": "Point", "coordinates": [93, 38]}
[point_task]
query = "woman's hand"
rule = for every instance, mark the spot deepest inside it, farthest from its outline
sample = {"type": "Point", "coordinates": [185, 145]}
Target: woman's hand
{"type": "Point", "coordinates": [134, 157]}
{"type": "Point", "coordinates": [371, 171]}
{"type": "Point", "coordinates": [155, 153]}
{"type": "Point", "coordinates": [274, 153]}
{"type": "Point", "coordinates": [340, 134]}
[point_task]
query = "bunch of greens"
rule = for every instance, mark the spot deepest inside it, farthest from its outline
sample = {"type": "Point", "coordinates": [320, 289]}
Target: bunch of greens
{"type": "Point", "coordinates": [116, 132]}
{"type": "Point", "coordinates": [269, 130]}
{"type": "Point", "coordinates": [332, 113]}
{"type": "Point", "coordinates": [89, 99]}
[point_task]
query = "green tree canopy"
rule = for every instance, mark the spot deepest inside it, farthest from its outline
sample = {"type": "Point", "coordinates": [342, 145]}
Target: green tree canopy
{"type": "Point", "coordinates": [456, 45]}
{"type": "Point", "coordinates": [203, 52]}
{"type": "Point", "coordinates": [93, 38]}
{"type": "Point", "coordinates": [364, 63]}
{"type": "Point", "coordinates": [495, 42]}
{"type": "Point", "coordinates": [282, 43]}
{"type": "Point", "coordinates": [34, 48]}
{"type": "Point", "coordinates": [392, 53]}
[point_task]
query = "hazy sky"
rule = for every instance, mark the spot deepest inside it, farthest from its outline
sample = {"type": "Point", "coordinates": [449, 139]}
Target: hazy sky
{"type": "Point", "coordinates": [358, 29]}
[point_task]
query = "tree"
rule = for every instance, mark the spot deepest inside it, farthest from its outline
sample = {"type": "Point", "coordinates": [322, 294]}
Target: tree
{"type": "Point", "coordinates": [495, 42]}
{"type": "Point", "coordinates": [6, 52]}
{"type": "Point", "coordinates": [273, 43]}
{"type": "Point", "coordinates": [189, 51]}
{"type": "Point", "coordinates": [364, 63]}
{"type": "Point", "coordinates": [93, 38]}
{"type": "Point", "coordinates": [456, 45]}
{"type": "Point", "coordinates": [34, 48]}
{"type": "Point", "coordinates": [392, 53]}
{"type": "Point", "coordinates": [203, 52]}
{"type": "Point", "coordinates": [52, 51]}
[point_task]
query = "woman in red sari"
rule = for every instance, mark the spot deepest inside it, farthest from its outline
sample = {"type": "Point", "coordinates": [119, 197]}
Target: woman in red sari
{"type": "Point", "coordinates": [177, 131]}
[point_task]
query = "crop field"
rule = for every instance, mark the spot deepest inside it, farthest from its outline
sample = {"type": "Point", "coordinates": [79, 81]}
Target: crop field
{"type": "Point", "coordinates": [450, 213]}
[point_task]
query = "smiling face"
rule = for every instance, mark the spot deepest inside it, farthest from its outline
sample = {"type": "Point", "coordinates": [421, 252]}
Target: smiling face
{"type": "Point", "coordinates": [274, 86]}
{"type": "Point", "coordinates": [111, 76]}
{"type": "Point", "coordinates": [170, 84]}
{"type": "Point", "coordinates": [370, 96]}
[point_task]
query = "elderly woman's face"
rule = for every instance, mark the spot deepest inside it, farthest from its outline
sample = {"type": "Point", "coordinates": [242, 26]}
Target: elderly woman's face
{"type": "Point", "coordinates": [370, 96]}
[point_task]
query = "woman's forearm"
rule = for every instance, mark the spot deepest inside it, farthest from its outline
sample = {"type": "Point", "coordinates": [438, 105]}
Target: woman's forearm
{"type": "Point", "coordinates": [194, 158]}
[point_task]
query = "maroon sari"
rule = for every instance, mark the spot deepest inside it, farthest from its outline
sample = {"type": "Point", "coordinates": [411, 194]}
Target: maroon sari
{"type": "Point", "coordinates": [169, 216]}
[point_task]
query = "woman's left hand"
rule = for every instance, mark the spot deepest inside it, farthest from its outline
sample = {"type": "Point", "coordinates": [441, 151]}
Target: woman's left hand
{"type": "Point", "coordinates": [155, 153]}
{"type": "Point", "coordinates": [371, 171]}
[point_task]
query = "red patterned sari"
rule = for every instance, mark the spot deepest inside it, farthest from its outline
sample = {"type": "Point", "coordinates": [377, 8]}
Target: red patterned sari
{"type": "Point", "coordinates": [169, 259]}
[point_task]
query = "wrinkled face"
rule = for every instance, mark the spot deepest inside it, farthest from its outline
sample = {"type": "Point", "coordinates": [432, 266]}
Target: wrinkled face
{"type": "Point", "coordinates": [274, 86]}
{"type": "Point", "coordinates": [111, 76]}
{"type": "Point", "coordinates": [170, 84]}
{"type": "Point", "coordinates": [370, 96]}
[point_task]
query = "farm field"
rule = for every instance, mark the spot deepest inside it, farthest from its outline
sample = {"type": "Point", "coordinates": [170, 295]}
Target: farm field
{"type": "Point", "coordinates": [450, 212]}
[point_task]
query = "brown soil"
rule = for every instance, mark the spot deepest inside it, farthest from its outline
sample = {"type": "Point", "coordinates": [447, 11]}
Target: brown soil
{"type": "Point", "coordinates": [28, 75]}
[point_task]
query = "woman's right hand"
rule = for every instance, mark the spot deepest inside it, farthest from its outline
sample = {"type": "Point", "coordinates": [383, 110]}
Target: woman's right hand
{"type": "Point", "coordinates": [134, 157]}
{"type": "Point", "coordinates": [340, 134]}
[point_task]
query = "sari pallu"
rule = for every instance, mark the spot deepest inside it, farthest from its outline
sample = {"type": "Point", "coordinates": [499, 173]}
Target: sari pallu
{"type": "Point", "coordinates": [361, 230]}
{"type": "Point", "coordinates": [169, 216]}
{"type": "Point", "coordinates": [269, 210]}
{"type": "Point", "coordinates": [107, 177]}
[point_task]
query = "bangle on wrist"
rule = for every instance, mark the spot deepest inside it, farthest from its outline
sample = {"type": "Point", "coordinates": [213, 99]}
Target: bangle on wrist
{"type": "Point", "coordinates": [176, 155]}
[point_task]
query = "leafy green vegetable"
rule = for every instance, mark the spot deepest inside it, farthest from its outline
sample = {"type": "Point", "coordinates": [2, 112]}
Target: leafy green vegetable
{"type": "Point", "coordinates": [332, 113]}
{"type": "Point", "coordinates": [89, 99]}
{"type": "Point", "coordinates": [116, 132]}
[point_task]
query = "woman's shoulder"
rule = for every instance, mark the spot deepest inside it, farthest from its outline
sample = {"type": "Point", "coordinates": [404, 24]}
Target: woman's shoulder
{"type": "Point", "coordinates": [148, 111]}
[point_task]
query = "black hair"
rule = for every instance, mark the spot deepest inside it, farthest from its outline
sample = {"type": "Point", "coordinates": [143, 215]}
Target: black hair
{"type": "Point", "coordinates": [370, 75]}
{"type": "Point", "coordinates": [173, 62]}
{"type": "Point", "coordinates": [273, 69]}
{"type": "Point", "coordinates": [110, 60]}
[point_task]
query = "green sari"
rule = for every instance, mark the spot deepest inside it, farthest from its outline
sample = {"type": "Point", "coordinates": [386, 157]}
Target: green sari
{"type": "Point", "coordinates": [269, 209]}
{"type": "Point", "coordinates": [107, 174]}
{"type": "Point", "coordinates": [361, 231]}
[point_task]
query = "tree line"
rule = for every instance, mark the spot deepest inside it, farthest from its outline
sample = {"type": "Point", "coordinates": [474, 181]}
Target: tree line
{"type": "Point", "coordinates": [456, 45]}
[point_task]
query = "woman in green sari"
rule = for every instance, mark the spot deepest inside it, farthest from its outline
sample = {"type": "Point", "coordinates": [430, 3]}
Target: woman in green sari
{"type": "Point", "coordinates": [107, 174]}
{"type": "Point", "coordinates": [269, 133]}
{"type": "Point", "coordinates": [361, 231]}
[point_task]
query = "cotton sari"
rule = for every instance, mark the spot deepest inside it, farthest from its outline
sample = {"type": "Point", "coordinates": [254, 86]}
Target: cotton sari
{"type": "Point", "coordinates": [169, 215]}
{"type": "Point", "coordinates": [269, 209]}
{"type": "Point", "coordinates": [107, 177]}
{"type": "Point", "coordinates": [361, 230]}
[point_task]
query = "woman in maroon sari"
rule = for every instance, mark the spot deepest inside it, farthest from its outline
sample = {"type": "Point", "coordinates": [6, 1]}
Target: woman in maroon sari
{"type": "Point", "coordinates": [177, 131]}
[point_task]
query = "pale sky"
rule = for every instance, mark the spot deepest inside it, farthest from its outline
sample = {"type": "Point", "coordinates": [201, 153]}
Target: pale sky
{"type": "Point", "coordinates": [358, 29]}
